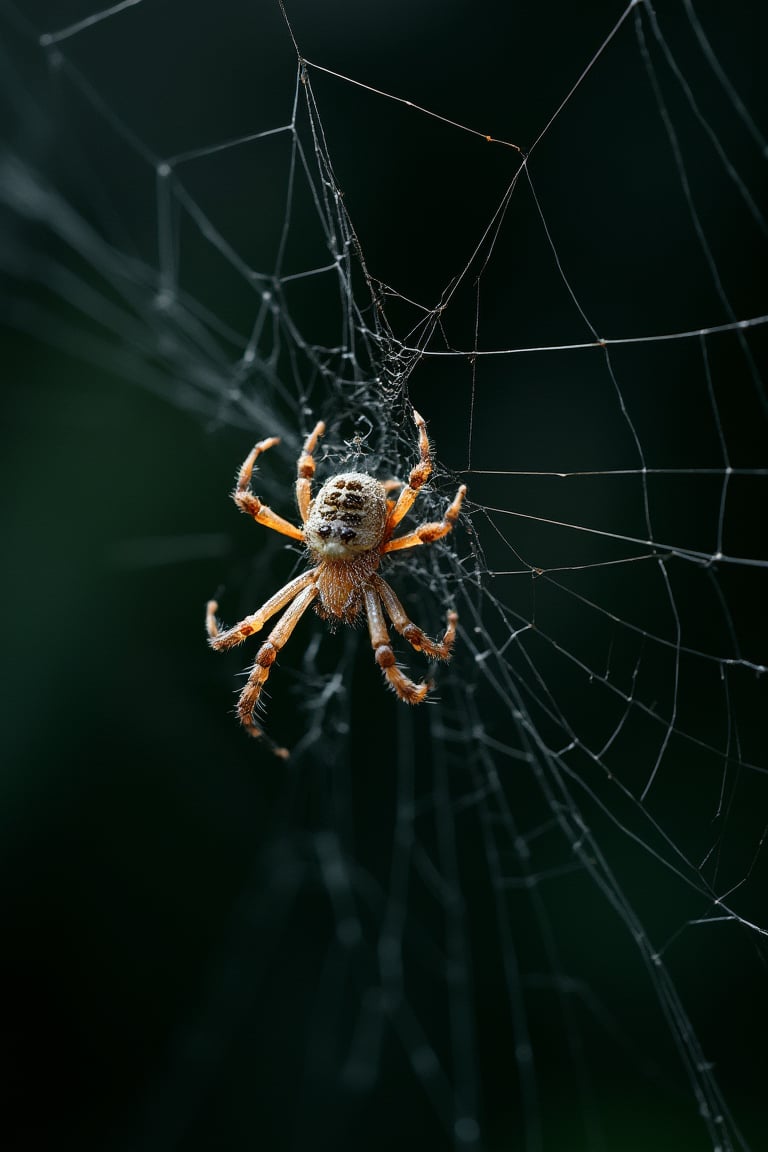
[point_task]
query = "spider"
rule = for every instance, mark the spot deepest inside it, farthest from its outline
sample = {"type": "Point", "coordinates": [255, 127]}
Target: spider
{"type": "Point", "coordinates": [347, 528]}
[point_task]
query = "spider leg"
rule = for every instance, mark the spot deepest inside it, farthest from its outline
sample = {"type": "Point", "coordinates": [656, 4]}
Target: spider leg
{"type": "Point", "coordinates": [405, 688]}
{"type": "Point", "coordinates": [250, 504]}
{"type": "Point", "coordinates": [436, 649]}
{"type": "Point", "coordinates": [221, 641]}
{"type": "Point", "coordinates": [417, 477]}
{"type": "Point", "coordinates": [305, 471]}
{"type": "Point", "coordinates": [266, 656]}
{"type": "Point", "coordinates": [428, 533]}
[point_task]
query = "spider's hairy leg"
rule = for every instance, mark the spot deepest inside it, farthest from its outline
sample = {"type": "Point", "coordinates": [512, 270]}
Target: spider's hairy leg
{"type": "Point", "coordinates": [305, 471]}
{"type": "Point", "coordinates": [255, 622]}
{"type": "Point", "coordinates": [405, 688]}
{"type": "Point", "coordinates": [266, 656]}
{"type": "Point", "coordinates": [435, 649]}
{"type": "Point", "coordinates": [418, 476]}
{"type": "Point", "coordinates": [428, 533]}
{"type": "Point", "coordinates": [250, 504]}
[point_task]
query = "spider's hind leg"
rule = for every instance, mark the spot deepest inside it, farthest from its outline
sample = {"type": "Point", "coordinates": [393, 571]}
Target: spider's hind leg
{"type": "Point", "coordinates": [222, 640]}
{"type": "Point", "coordinates": [266, 656]}
{"type": "Point", "coordinates": [405, 688]}
{"type": "Point", "coordinates": [435, 649]}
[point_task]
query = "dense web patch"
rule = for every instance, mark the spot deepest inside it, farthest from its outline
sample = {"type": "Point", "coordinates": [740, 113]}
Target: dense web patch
{"type": "Point", "coordinates": [567, 865]}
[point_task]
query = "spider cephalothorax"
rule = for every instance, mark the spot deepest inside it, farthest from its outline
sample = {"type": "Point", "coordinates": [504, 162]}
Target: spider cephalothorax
{"type": "Point", "coordinates": [347, 528]}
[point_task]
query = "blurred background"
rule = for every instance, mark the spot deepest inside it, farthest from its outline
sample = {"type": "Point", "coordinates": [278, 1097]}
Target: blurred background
{"type": "Point", "coordinates": [452, 927]}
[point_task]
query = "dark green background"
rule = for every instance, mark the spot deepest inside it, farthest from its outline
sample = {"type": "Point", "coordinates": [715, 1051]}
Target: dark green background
{"type": "Point", "coordinates": [168, 938]}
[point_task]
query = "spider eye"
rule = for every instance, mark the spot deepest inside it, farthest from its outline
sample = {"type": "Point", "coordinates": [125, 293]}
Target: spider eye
{"type": "Point", "coordinates": [347, 534]}
{"type": "Point", "coordinates": [324, 531]}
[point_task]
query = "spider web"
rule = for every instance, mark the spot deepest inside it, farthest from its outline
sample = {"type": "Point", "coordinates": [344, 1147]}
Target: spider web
{"type": "Point", "coordinates": [530, 914]}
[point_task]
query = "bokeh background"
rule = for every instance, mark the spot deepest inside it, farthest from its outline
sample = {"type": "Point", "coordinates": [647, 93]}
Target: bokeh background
{"type": "Point", "coordinates": [171, 978]}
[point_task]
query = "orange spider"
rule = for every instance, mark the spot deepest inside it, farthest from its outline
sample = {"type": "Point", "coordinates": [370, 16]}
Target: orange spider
{"type": "Point", "coordinates": [347, 528]}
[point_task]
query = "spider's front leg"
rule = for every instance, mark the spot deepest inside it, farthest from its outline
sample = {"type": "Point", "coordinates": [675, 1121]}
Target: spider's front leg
{"type": "Point", "coordinates": [305, 471]}
{"type": "Point", "coordinates": [250, 504]}
{"type": "Point", "coordinates": [419, 475]}
{"type": "Point", "coordinates": [405, 688]}
{"type": "Point", "coordinates": [428, 533]}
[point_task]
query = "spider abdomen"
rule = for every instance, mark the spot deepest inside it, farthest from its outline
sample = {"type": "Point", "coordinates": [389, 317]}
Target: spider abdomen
{"type": "Point", "coordinates": [347, 517]}
{"type": "Point", "coordinates": [341, 586]}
